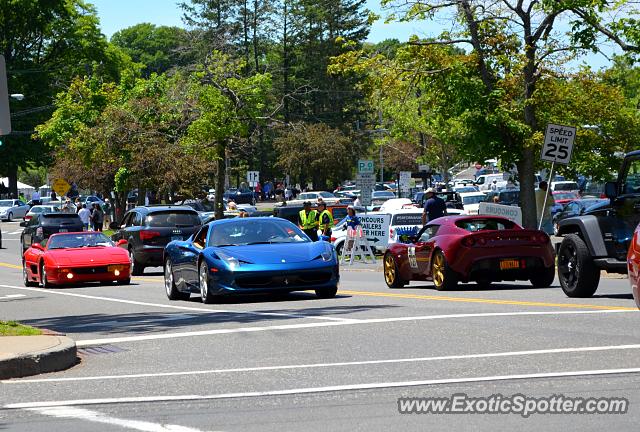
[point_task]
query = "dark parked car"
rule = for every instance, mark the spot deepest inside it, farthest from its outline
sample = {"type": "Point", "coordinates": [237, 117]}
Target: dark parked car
{"type": "Point", "coordinates": [148, 229]}
{"type": "Point", "coordinates": [505, 196]}
{"type": "Point", "coordinates": [240, 196]}
{"type": "Point", "coordinates": [42, 225]}
{"type": "Point", "coordinates": [576, 208]}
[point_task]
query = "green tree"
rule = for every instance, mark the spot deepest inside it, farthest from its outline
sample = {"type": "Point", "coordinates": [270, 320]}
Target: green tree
{"type": "Point", "coordinates": [514, 43]}
{"type": "Point", "coordinates": [45, 43]}
{"type": "Point", "coordinates": [316, 153]}
{"type": "Point", "coordinates": [158, 48]}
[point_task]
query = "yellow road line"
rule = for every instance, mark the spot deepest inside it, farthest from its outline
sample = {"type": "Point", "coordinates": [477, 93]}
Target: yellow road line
{"type": "Point", "coordinates": [487, 301]}
{"type": "Point", "coordinates": [147, 279]}
{"type": "Point", "coordinates": [13, 266]}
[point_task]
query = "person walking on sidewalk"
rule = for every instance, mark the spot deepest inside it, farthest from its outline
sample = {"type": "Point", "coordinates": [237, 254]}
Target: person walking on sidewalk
{"type": "Point", "coordinates": [97, 217]}
{"type": "Point", "coordinates": [85, 216]}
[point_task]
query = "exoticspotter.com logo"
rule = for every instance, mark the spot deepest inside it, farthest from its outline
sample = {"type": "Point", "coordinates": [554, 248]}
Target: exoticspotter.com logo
{"type": "Point", "coordinates": [518, 404]}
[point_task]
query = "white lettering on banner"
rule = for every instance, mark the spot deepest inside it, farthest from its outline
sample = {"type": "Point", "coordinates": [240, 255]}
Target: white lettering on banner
{"type": "Point", "coordinates": [510, 212]}
{"type": "Point", "coordinates": [376, 228]}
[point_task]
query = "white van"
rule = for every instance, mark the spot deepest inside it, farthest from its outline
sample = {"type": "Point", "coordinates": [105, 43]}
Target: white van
{"type": "Point", "coordinates": [484, 181]}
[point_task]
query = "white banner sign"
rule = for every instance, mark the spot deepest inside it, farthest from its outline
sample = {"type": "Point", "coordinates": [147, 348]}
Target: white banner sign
{"type": "Point", "coordinates": [558, 144]}
{"type": "Point", "coordinates": [512, 213]}
{"type": "Point", "coordinates": [376, 228]}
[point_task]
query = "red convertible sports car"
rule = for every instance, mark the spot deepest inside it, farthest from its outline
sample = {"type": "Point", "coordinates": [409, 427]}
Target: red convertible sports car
{"type": "Point", "coordinates": [483, 249]}
{"type": "Point", "coordinates": [77, 257]}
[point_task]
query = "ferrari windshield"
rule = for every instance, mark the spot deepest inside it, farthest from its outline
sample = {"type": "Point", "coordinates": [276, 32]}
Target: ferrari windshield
{"type": "Point", "coordinates": [259, 231]}
{"type": "Point", "coordinates": [79, 240]}
{"type": "Point", "coordinates": [482, 224]}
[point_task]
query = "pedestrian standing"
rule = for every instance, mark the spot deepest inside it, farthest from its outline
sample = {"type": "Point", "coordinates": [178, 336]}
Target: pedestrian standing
{"type": "Point", "coordinates": [36, 198]}
{"type": "Point", "coordinates": [68, 207]}
{"type": "Point", "coordinates": [541, 192]}
{"type": "Point", "coordinates": [352, 221]}
{"type": "Point", "coordinates": [97, 217]}
{"type": "Point", "coordinates": [308, 221]}
{"type": "Point", "coordinates": [434, 207]}
{"type": "Point", "coordinates": [325, 219]}
{"type": "Point", "coordinates": [78, 205]}
{"type": "Point", "coordinates": [85, 217]}
{"type": "Point", "coordinates": [107, 213]}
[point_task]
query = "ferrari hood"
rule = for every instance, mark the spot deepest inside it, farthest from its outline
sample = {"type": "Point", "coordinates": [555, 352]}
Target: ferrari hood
{"type": "Point", "coordinates": [275, 253]}
{"type": "Point", "coordinates": [88, 256]}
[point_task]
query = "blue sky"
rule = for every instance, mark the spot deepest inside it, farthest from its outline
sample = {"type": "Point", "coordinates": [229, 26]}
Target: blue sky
{"type": "Point", "coordinates": [118, 14]}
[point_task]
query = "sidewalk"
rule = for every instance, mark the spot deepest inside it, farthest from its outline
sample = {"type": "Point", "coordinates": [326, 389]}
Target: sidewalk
{"type": "Point", "coordinates": [22, 356]}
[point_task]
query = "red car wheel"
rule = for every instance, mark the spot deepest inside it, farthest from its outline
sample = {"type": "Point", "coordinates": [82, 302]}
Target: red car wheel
{"type": "Point", "coordinates": [443, 277]}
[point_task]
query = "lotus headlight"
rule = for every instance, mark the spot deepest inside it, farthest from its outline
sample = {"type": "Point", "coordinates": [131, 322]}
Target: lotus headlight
{"type": "Point", "coordinates": [327, 255]}
{"type": "Point", "coordinates": [231, 261]}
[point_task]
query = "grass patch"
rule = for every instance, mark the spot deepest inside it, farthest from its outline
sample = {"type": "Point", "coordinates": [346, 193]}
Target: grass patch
{"type": "Point", "coordinates": [13, 328]}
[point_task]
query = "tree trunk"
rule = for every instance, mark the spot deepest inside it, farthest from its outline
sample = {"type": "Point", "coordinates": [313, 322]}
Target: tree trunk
{"type": "Point", "coordinates": [219, 204]}
{"type": "Point", "coordinates": [13, 180]}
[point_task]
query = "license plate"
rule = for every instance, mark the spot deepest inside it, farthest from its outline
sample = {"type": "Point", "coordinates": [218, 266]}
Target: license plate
{"type": "Point", "coordinates": [63, 230]}
{"type": "Point", "coordinates": [509, 264]}
{"type": "Point", "coordinates": [174, 238]}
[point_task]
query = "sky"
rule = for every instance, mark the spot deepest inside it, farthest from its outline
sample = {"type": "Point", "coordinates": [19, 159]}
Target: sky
{"type": "Point", "coordinates": [118, 14]}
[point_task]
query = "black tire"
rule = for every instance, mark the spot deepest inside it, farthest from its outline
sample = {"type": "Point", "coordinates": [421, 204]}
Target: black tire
{"type": "Point", "coordinates": [126, 281]}
{"type": "Point", "coordinates": [9, 217]}
{"type": "Point", "coordinates": [339, 249]}
{"type": "Point", "coordinates": [203, 278]}
{"type": "Point", "coordinates": [545, 278]}
{"type": "Point", "coordinates": [44, 283]}
{"type": "Point", "coordinates": [578, 275]}
{"type": "Point", "coordinates": [484, 284]}
{"type": "Point", "coordinates": [137, 269]}
{"type": "Point", "coordinates": [170, 284]}
{"type": "Point", "coordinates": [444, 279]}
{"type": "Point", "coordinates": [327, 293]}
{"type": "Point", "coordinates": [25, 279]}
{"type": "Point", "coordinates": [391, 274]}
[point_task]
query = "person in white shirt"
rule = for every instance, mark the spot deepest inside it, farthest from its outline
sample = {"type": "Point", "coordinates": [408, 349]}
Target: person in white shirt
{"type": "Point", "coordinates": [494, 185]}
{"type": "Point", "coordinates": [357, 203]}
{"type": "Point", "coordinates": [85, 215]}
{"type": "Point", "coordinates": [36, 198]}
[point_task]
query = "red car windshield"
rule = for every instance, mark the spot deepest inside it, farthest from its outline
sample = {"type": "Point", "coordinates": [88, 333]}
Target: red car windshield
{"type": "Point", "coordinates": [481, 224]}
{"type": "Point", "coordinates": [68, 241]}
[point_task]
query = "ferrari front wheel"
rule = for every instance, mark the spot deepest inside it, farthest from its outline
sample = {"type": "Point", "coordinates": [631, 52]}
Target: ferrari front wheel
{"type": "Point", "coordinates": [444, 278]}
{"type": "Point", "coordinates": [326, 293]}
{"type": "Point", "coordinates": [44, 283]}
{"type": "Point", "coordinates": [391, 274]}
{"type": "Point", "coordinates": [205, 289]}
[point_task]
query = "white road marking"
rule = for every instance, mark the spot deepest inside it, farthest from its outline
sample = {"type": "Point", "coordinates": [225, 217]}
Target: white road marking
{"type": "Point", "coordinates": [88, 342]}
{"type": "Point", "coordinates": [188, 308]}
{"type": "Point", "coordinates": [96, 417]}
{"type": "Point", "coordinates": [11, 296]}
{"type": "Point", "coordinates": [337, 388]}
{"type": "Point", "coordinates": [125, 323]}
{"type": "Point", "coordinates": [327, 365]}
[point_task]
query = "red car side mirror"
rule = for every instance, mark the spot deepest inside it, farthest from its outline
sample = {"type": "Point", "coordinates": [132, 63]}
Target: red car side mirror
{"type": "Point", "coordinates": [37, 246]}
{"type": "Point", "coordinates": [122, 242]}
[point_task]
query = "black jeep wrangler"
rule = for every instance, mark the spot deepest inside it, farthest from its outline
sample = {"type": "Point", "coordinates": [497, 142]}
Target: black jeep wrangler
{"type": "Point", "coordinates": [599, 239]}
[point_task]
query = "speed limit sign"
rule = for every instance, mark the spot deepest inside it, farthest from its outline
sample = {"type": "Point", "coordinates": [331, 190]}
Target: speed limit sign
{"type": "Point", "coordinates": [558, 143]}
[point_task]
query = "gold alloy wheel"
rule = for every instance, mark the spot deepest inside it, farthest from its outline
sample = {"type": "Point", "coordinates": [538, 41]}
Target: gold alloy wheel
{"type": "Point", "coordinates": [437, 269]}
{"type": "Point", "coordinates": [389, 270]}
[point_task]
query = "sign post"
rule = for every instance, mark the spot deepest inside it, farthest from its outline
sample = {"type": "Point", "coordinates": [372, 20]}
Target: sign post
{"type": "Point", "coordinates": [5, 115]}
{"type": "Point", "coordinates": [557, 148]}
{"type": "Point", "coordinates": [365, 181]}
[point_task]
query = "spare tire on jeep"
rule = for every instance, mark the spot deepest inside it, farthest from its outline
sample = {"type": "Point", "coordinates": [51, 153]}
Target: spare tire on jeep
{"type": "Point", "coordinates": [577, 273]}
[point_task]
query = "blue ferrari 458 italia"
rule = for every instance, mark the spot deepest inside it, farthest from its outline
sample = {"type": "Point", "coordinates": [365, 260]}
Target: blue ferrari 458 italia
{"type": "Point", "coordinates": [249, 255]}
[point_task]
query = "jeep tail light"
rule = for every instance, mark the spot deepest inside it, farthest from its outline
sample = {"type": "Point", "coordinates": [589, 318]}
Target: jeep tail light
{"type": "Point", "coordinates": [148, 235]}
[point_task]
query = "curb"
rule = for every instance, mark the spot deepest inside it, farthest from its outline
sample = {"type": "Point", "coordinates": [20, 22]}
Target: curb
{"type": "Point", "coordinates": [54, 354]}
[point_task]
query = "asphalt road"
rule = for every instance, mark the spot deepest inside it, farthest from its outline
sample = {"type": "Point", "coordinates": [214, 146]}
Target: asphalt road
{"type": "Point", "coordinates": [300, 363]}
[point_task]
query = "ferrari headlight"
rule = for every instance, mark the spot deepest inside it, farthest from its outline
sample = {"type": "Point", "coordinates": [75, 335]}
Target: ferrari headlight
{"type": "Point", "coordinates": [327, 255]}
{"type": "Point", "coordinates": [232, 262]}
